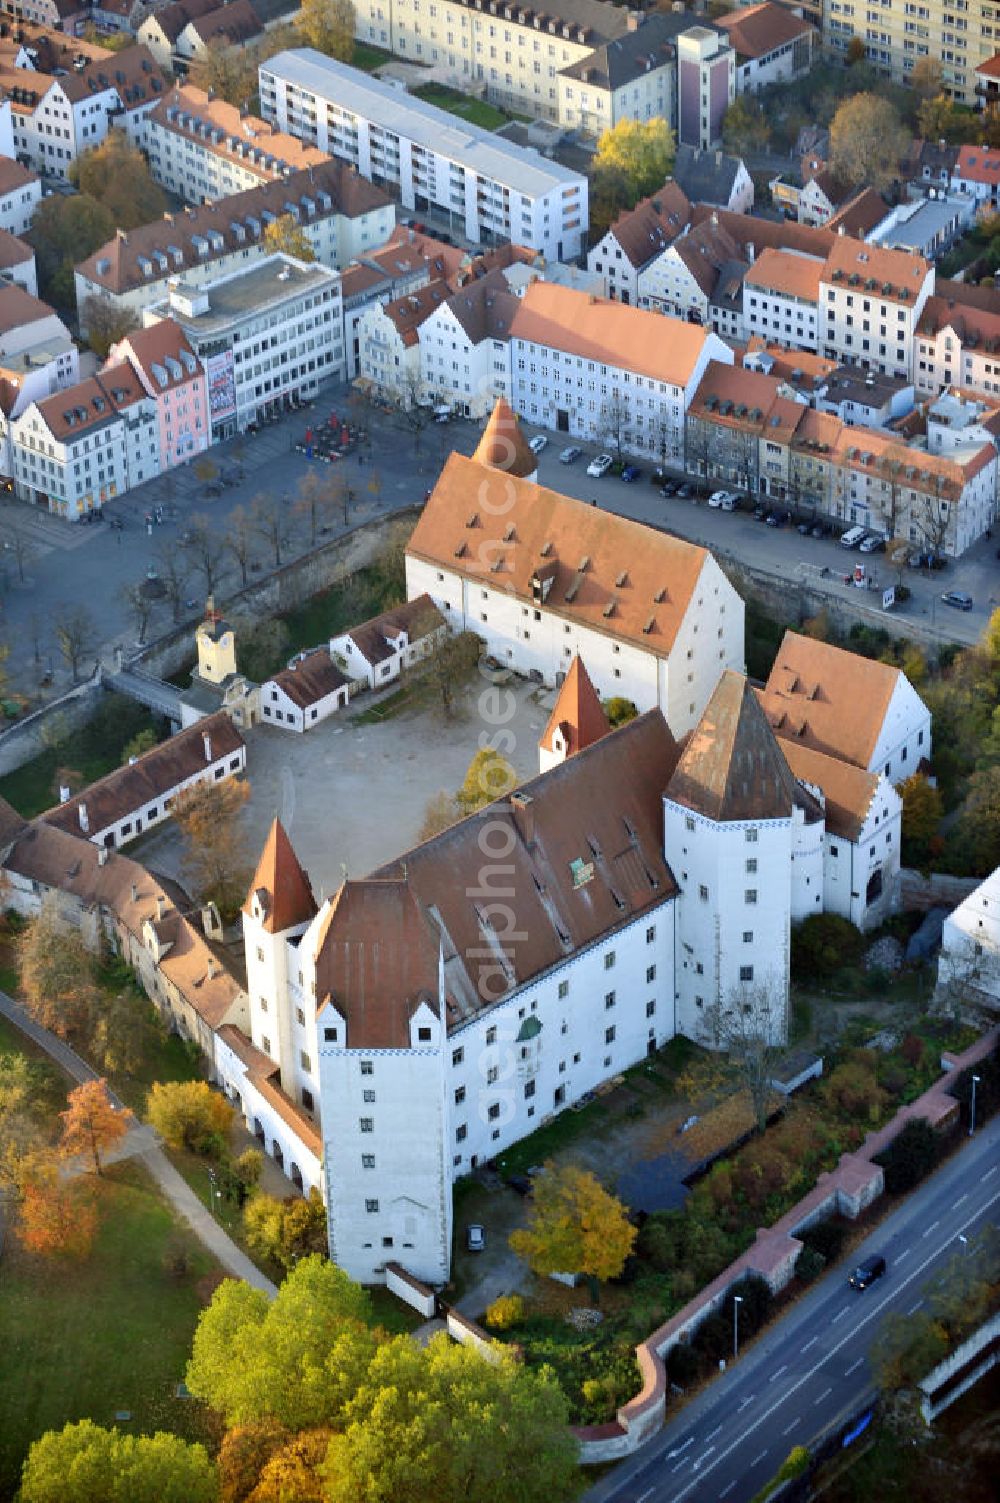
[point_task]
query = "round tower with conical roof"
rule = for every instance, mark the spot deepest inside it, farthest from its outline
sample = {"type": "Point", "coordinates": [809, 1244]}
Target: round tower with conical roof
{"type": "Point", "coordinates": [503, 446]}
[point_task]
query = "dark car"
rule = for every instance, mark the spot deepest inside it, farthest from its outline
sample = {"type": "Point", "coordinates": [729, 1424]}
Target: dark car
{"type": "Point", "coordinates": [867, 1272]}
{"type": "Point", "coordinates": [958, 598]}
{"type": "Point", "coordinates": [213, 488]}
{"type": "Point", "coordinates": [520, 1183]}
{"type": "Point", "coordinates": [631, 472]}
{"type": "Point", "coordinates": [685, 491]}
{"type": "Point", "coordinates": [776, 518]}
{"type": "Point", "coordinates": [760, 513]}
{"type": "Point", "coordinates": [668, 488]}
{"type": "Point", "coordinates": [475, 1237]}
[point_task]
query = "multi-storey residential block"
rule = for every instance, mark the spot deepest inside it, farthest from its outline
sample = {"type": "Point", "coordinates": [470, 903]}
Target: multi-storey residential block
{"type": "Point", "coordinates": [265, 336]}
{"type": "Point", "coordinates": [960, 34]}
{"type": "Point", "coordinates": [20, 195]}
{"type": "Point", "coordinates": [489, 189]}
{"type": "Point", "coordinates": [341, 215]}
{"type": "Point", "coordinates": [637, 238]}
{"type": "Point", "coordinates": [631, 77]}
{"type": "Point", "coordinates": [871, 300]}
{"type": "Point", "coordinates": [174, 378]}
{"type": "Point", "coordinates": [958, 340]}
{"type": "Point", "coordinates": [706, 85]}
{"type": "Point", "coordinates": [781, 298]}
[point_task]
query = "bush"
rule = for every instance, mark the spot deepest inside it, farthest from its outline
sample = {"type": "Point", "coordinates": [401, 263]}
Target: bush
{"type": "Point", "coordinates": [809, 1264]}
{"type": "Point", "coordinates": [822, 945]}
{"type": "Point", "coordinates": [756, 1297]}
{"type": "Point", "coordinates": [619, 711]}
{"type": "Point", "coordinates": [826, 1238]}
{"type": "Point", "coordinates": [682, 1364]}
{"type": "Point", "coordinates": [505, 1312]}
{"type": "Point", "coordinates": [714, 1337]}
{"type": "Point", "coordinates": [910, 1156]}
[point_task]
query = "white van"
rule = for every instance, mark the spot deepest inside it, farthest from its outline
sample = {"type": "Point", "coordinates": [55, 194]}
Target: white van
{"type": "Point", "coordinates": [852, 538]}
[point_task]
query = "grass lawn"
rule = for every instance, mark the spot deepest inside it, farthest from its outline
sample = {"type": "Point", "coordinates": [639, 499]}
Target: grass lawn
{"type": "Point", "coordinates": [368, 58]}
{"type": "Point", "coordinates": [475, 111]}
{"type": "Point", "coordinates": [392, 1314]}
{"type": "Point", "coordinates": [97, 748]}
{"type": "Point", "coordinates": [111, 1333]}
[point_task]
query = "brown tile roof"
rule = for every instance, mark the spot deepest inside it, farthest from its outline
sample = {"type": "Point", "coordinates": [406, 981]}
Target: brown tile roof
{"type": "Point", "coordinates": [310, 679]}
{"type": "Point", "coordinates": [11, 823]}
{"type": "Point", "coordinates": [240, 133]}
{"type": "Point", "coordinates": [77, 410]}
{"type": "Point", "coordinates": [990, 68]}
{"type": "Point", "coordinates": [788, 273]}
{"type": "Point", "coordinates": [734, 398]}
{"type": "Point", "coordinates": [614, 575]}
{"type": "Point", "coordinates": [800, 367]}
{"type": "Point", "coordinates": [646, 230]}
{"type": "Point", "coordinates": [235, 22]}
{"type": "Point", "coordinates": [759, 29]}
{"type": "Point", "coordinates": [162, 354]}
{"type": "Point", "coordinates": [818, 431]}
{"type": "Point", "coordinates": [485, 308]}
{"type": "Point", "coordinates": [408, 312]}
{"type": "Point", "coordinates": [293, 1116]}
{"type": "Point", "coordinates": [115, 265]}
{"type": "Point", "coordinates": [14, 252]}
{"type": "Point", "coordinates": [443, 260]}
{"type": "Point", "coordinates": [56, 858]}
{"type": "Point", "coordinates": [578, 714]}
{"type": "Point", "coordinates": [704, 250]}
{"type": "Point", "coordinates": [133, 73]}
{"type": "Point", "coordinates": [731, 767]}
{"type": "Point", "coordinates": [152, 776]}
{"type": "Point", "coordinates": [172, 19]}
{"type": "Point", "coordinates": [634, 339]}
{"type": "Point", "coordinates": [415, 617]}
{"type": "Point", "coordinates": [18, 308]}
{"type": "Point", "coordinates": [751, 232]}
{"type": "Point", "coordinates": [859, 214]}
{"type": "Point", "coordinates": [878, 451]}
{"type": "Point", "coordinates": [503, 446]}
{"type": "Point", "coordinates": [848, 791]}
{"type": "Point", "coordinates": [979, 164]}
{"type": "Point", "coordinates": [895, 276]}
{"type": "Point", "coordinates": [827, 699]}
{"type": "Point", "coordinates": [280, 885]}
{"type": "Point", "coordinates": [13, 176]}
{"type": "Point", "coordinates": [971, 311]}
{"type": "Point", "coordinates": [585, 856]}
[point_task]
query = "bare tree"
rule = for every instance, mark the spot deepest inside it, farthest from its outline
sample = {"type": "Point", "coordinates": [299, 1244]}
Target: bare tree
{"type": "Point", "coordinates": [36, 631]}
{"type": "Point", "coordinates": [934, 513]}
{"type": "Point", "coordinates": [206, 551]}
{"type": "Point", "coordinates": [697, 450]}
{"type": "Point", "coordinates": [23, 552]}
{"type": "Point", "coordinates": [313, 501]}
{"type": "Point", "coordinates": [750, 1025]}
{"type": "Point", "coordinates": [891, 471]}
{"type": "Point", "coordinates": [346, 497]}
{"type": "Point", "coordinates": [269, 519]}
{"type": "Point", "coordinates": [240, 533]}
{"type": "Point", "coordinates": [614, 416]}
{"type": "Point", "coordinates": [76, 635]}
{"type": "Point", "coordinates": [172, 569]}
{"type": "Point", "coordinates": [139, 604]}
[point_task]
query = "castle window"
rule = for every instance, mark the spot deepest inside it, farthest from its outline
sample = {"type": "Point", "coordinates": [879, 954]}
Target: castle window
{"type": "Point", "coordinates": [371, 1206]}
{"type": "Point", "coordinates": [366, 1124]}
{"type": "Point", "coordinates": [329, 1035]}
{"type": "Point", "coordinates": [367, 1067]}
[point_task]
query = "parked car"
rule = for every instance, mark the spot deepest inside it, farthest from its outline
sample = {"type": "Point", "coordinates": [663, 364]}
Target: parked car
{"type": "Point", "coordinates": [668, 488]}
{"type": "Point", "coordinates": [537, 444]}
{"type": "Point", "coordinates": [600, 465]}
{"type": "Point", "coordinates": [873, 543]}
{"type": "Point", "coordinates": [958, 598]}
{"type": "Point", "coordinates": [475, 1237]}
{"type": "Point", "coordinates": [852, 537]}
{"type": "Point", "coordinates": [730, 502]}
{"type": "Point", "coordinates": [570, 455]}
{"type": "Point", "coordinates": [520, 1183]}
{"type": "Point", "coordinates": [717, 498]}
{"type": "Point", "coordinates": [867, 1272]}
{"type": "Point", "coordinates": [776, 518]}
{"type": "Point", "coordinates": [630, 473]}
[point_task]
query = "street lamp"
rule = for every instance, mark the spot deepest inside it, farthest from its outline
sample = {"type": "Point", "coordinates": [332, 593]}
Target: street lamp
{"type": "Point", "coordinates": [964, 1241]}
{"type": "Point", "coordinates": [212, 1191]}
{"type": "Point", "coordinates": [737, 1301]}
{"type": "Point", "coordinates": [972, 1113]}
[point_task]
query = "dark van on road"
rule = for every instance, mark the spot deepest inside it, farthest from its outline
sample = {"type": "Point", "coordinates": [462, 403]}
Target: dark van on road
{"type": "Point", "coordinates": [867, 1272]}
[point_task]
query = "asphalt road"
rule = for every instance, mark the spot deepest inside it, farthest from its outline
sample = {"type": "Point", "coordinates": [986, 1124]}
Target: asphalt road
{"type": "Point", "coordinates": [811, 1370]}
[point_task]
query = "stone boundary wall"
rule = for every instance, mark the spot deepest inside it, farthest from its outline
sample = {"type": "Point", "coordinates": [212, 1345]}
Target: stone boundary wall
{"type": "Point", "coordinates": [26, 738]}
{"type": "Point", "coordinates": [410, 1290]}
{"type": "Point", "coordinates": [849, 1189]}
{"type": "Point", "coordinates": [962, 1368]}
{"type": "Point", "coordinates": [467, 1333]}
{"type": "Point", "coordinates": [920, 893]}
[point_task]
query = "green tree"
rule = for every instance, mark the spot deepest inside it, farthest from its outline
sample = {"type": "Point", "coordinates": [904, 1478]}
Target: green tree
{"type": "Point", "coordinates": [189, 1114]}
{"type": "Point", "coordinates": [923, 810]}
{"type": "Point", "coordinates": [297, 1360]}
{"type": "Point", "coordinates": [446, 1424]}
{"type": "Point", "coordinates": [83, 1462]}
{"type": "Point", "coordinates": [978, 827]}
{"type": "Point", "coordinates": [20, 1130]}
{"type": "Point", "coordinates": [908, 1346]}
{"type": "Point", "coordinates": [490, 776]}
{"type": "Point", "coordinates": [142, 741]}
{"type": "Point", "coordinates": [745, 126]}
{"type": "Point", "coordinates": [867, 141]}
{"type": "Point", "coordinates": [287, 235]}
{"type": "Point", "coordinates": [63, 232]}
{"type": "Point", "coordinates": [619, 710]}
{"type": "Point", "coordinates": [116, 175]}
{"type": "Point", "coordinates": [215, 853]}
{"type": "Point", "coordinates": [328, 25]}
{"type": "Point", "coordinates": [57, 974]}
{"type": "Point", "coordinates": [286, 1230]}
{"type": "Point", "coordinates": [641, 152]}
{"type": "Point", "coordinates": [575, 1226]}
{"type": "Point", "coordinates": [104, 324]}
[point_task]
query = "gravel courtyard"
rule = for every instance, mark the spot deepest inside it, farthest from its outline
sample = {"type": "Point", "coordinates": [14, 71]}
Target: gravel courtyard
{"type": "Point", "coordinates": [352, 796]}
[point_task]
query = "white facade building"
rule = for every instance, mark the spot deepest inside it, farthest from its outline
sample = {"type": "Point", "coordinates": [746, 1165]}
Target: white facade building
{"type": "Point", "coordinates": [376, 652]}
{"type": "Point", "coordinates": [305, 693]}
{"type": "Point", "coordinates": [871, 300]}
{"type": "Point", "coordinates": [20, 195]}
{"type": "Point", "coordinates": [781, 298]}
{"type": "Point", "coordinates": [970, 944]}
{"type": "Point", "coordinates": [490, 189]}
{"type": "Point", "coordinates": [465, 347]}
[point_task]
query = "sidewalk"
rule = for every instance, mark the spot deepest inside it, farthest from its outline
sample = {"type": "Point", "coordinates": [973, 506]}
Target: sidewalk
{"type": "Point", "coordinates": [142, 1144]}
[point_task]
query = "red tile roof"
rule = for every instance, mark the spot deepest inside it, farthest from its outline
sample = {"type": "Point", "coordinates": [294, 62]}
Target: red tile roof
{"type": "Point", "coordinates": [503, 446]}
{"type": "Point", "coordinates": [310, 679]}
{"type": "Point", "coordinates": [280, 886]}
{"type": "Point", "coordinates": [578, 714]}
{"type": "Point", "coordinates": [759, 29]}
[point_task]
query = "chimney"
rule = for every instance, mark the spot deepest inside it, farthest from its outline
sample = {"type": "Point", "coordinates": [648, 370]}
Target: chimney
{"type": "Point", "coordinates": [211, 969]}
{"type": "Point", "coordinates": [161, 907]}
{"type": "Point", "coordinates": [63, 794]}
{"type": "Point", "coordinates": [135, 892]}
{"type": "Point", "coordinates": [102, 855]}
{"type": "Point", "coordinates": [84, 818]}
{"type": "Point", "coordinates": [634, 20]}
{"type": "Point", "coordinates": [523, 811]}
{"type": "Point", "coordinates": [841, 230]}
{"type": "Point", "coordinates": [207, 743]}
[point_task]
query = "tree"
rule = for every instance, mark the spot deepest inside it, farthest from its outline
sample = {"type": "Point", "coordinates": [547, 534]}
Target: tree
{"type": "Point", "coordinates": [926, 77]}
{"type": "Point", "coordinates": [189, 1114]}
{"type": "Point", "coordinates": [116, 175]}
{"type": "Point", "coordinates": [215, 859]}
{"type": "Point", "coordinates": [642, 152]}
{"type": "Point", "coordinates": [243, 1454]}
{"type": "Point", "coordinates": [139, 604]}
{"type": "Point", "coordinates": [619, 710]}
{"type": "Point", "coordinates": [867, 141]}
{"type": "Point", "coordinates": [745, 126]}
{"type": "Point", "coordinates": [122, 1032]}
{"type": "Point", "coordinates": [23, 553]}
{"type": "Point", "coordinates": [750, 1026]}
{"type": "Point", "coordinates": [91, 1124]}
{"type": "Point", "coordinates": [446, 1424]}
{"type": "Point", "coordinates": [76, 635]}
{"type": "Point", "coordinates": [285, 234]}
{"type": "Point", "coordinates": [264, 645]}
{"type": "Point", "coordinates": [440, 813]}
{"type": "Point", "coordinates": [229, 72]}
{"type": "Point", "coordinates": [286, 1230]}
{"type": "Point", "coordinates": [314, 500]}
{"type": "Point", "coordinates": [82, 1462]}
{"type": "Point", "coordinates": [978, 828]}
{"type": "Point", "coordinates": [575, 1226]}
{"type": "Point", "coordinates": [610, 195]}
{"type": "Point", "coordinates": [240, 534]}
{"type": "Point", "coordinates": [490, 776]}
{"type": "Point", "coordinates": [328, 25]}
{"type": "Point", "coordinates": [614, 416]}
{"type": "Point", "coordinates": [269, 519]}
{"type": "Point", "coordinates": [142, 741]}
{"type": "Point", "coordinates": [939, 119]}
{"type": "Point", "coordinates": [20, 1132]}
{"type": "Point", "coordinates": [923, 810]}
{"type": "Point", "coordinates": [908, 1346]}
{"type": "Point", "coordinates": [57, 973]}
{"type": "Point", "coordinates": [63, 232]}
{"type": "Point", "coordinates": [910, 1156]}
{"type": "Point", "coordinates": [206, 551]}
{"type": "Point", "coordinates": [172, 572]}
{"type": "Point", "coordinates": [449, 663]}
{"type": "Point", "coordinates": [296, 1360]}
{"type": "Point", "coordinates": [57, 1217]}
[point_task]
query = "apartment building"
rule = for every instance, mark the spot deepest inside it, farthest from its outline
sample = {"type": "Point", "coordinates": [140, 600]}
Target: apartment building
{"type": "Point", "coordinates": [20, 195]}
{"type": "Point", "coordinates": [896, 34]}
{"type": "Point", "coordinates": [637, 238]}
{"type": "Point", "coordinates": [781, 298]}
{"type": "Point", "coordinates": [977, 174]}
{"type": "Point", "coordinates": [388, 339]}
{"type": "Point", "coordinates": [958, 340]}
{"type": "Point", "coordinates": [265, 335]}
{"type": "Point", "coordinates": [486, 188]}
{"type": "Point", "coordinates": [407, 262]}
{"type": "Point", "coordinates": [202, 148]}
{"type": "Point", "coordinates": [465, 346]}
{"type": "Point", "coordinates": [630, 77]}
{"type": "Point", "coordinates": [772, 45]}
{"type": "Point", "coordinates": [234, 25]}
{"type": "Point", "coordinates": [871, 300]}
{"type": "Point", "coordinates": [706, 85]}
{"type": "Point", "coordinates": [341, 215]}
{"type": "Point", "coordinates": [174, 378]}
{"type": "Point", "coordinates": [606, 373]}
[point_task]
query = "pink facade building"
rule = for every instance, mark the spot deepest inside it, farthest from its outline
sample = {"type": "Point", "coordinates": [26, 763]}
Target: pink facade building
{"type": "Point", "coordinates": [172, 374]}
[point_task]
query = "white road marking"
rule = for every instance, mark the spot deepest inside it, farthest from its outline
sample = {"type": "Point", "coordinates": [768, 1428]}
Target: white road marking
{"type": "Point", "coordinates": [904, 1254]}
{"type": "Point", "coordinates": [647, 1494]}
{"type": "Point", "coordinates": [914, 1308]}
{"type": "Point", "coordinates": [854, 1367]}
{"type": "Point", "coordinates": [728, 1488]}
{"type": "Point", "coordinates": [679, 1449]}
{"type": "Point", "coordinates": [932, 1228]}
{"type": "Point", "coordinates": [796, 1421]}
{"type": "Point", "coordinates": [956, 1203]}
{"type": "Point", "coordinates": [705, 1457]}
{"type": "Point", "coordinates": [824, 1395]}
{"type": "Point", "coordinates": [990, 1172]}
{"type": "Point", "coordinates": [810, 1343]}
{"type": "Point", "coordinates": [756, 1459]}
{"type": "Point", "coordinates": [714, 1433]}
{"type": "Point", "coordinates": [839, 1315]}
{"type": "Point", "coordinates": [777, 1373]}
{"type": "Point", "coordinates": [744, 1402]}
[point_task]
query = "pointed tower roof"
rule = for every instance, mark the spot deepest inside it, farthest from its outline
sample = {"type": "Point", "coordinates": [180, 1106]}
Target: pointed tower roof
{"type": "Point", "coordinates": [503, 446]}
{"type": "Point", "coordinates": [280, 885]}
{"type": "Point", "coordinates": [578, 714]}
{"type": "Point", "coordinates": [732, 767]}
